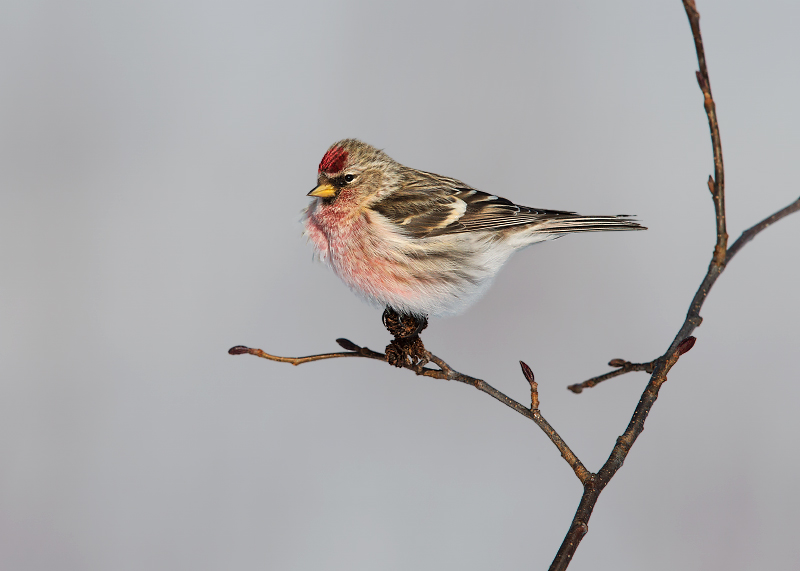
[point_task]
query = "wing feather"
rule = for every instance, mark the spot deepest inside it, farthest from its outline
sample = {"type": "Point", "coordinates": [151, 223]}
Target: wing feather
{"type": "Point", "coordinates": [428, 205]}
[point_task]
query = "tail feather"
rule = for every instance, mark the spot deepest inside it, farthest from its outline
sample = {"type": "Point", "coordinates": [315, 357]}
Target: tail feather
{"type": "Point", "coordinates": [568, 224]}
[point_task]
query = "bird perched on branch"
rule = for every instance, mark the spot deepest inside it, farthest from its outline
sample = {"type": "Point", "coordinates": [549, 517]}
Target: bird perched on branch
{"type": "Point", "coordinates": [417, 242]}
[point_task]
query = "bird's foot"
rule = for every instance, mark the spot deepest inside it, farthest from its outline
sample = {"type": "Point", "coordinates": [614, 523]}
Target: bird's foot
{"type": "Point", "coordinates": [406, 349]}
{"type": "Point", "coordinates": [402, 325]}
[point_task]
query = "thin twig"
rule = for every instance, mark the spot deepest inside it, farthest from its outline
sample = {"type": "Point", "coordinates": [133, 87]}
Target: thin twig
{"type": "Point", "coordinates": [596, 484]}
{"type": "Point", "coordinates": [445, 372]}
{"type": "Point", "coordinates": [693, 319]}
{"type": "Point", "coordinates": [716, 184]}
{"type": "Point", "coordinates": [717, 264]}
{"type": "Point", "coordinates": [241, 350]}
{"type": "Point", "coordinates": [624, 367]}
{"type": "Point", "coordinates": [751, 232]}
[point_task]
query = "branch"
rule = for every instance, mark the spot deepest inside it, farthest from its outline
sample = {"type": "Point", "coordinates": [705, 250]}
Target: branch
{"type": "Point", "coordinates": [597, 482]}
{"type": "Point", "coordinates": [716, 184]}
{"type": "Point", "coordinates": [445, 372]}
{"type": "Point", "coordinates": [693, 319]}
{"type": "Point", "coordinates": [682, 342]}
{"type": "Point", "coordinates": [624, 367]}
{"type": "Point", "coordinates": [241, 350]}
{"type": "Point", "coordinates": [659, 368]}
{"type": "Point", "coordinates": [753, 231]}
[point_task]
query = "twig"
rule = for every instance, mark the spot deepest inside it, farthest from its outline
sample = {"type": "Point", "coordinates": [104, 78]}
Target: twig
{"type": "Point", "coordinates": [693, 319]}
{"type": "Point", "coordinates": [716, 184]}
{"type": "Point", "coordinates": [597, 482]}
{"type": "Point", "coordinates": [751, 232]}
{"type": "Point", "coordinates": [241, 350]}
{"type": "Point", "coordinates": [445, 372]}
{"type": "Point", "coordinates": [624, 367]}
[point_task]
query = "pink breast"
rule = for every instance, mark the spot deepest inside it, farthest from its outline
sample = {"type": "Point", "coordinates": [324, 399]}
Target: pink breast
{"type": "Point", "coordinates": [359, 256]}
{"type": "Point", "coordinates": [317, 236]}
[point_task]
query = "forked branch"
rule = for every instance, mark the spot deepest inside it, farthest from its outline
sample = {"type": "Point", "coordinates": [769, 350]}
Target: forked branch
{"type": "Point", "coordinates": [445, 372]}
{"type": "Point", "coordinates": [716, 184]}
{"type": "Point", "coordinates": [594, 483]}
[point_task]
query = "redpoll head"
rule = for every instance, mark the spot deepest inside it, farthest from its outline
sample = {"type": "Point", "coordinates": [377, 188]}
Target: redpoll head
{"type": "Point", "coordinates": [419, 242]}
{"type": "Point", "coordinates": [364, 173]}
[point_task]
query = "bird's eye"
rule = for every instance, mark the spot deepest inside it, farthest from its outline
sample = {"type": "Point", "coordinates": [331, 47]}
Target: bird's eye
{"type": "Point", "coordinates": [349, 178]}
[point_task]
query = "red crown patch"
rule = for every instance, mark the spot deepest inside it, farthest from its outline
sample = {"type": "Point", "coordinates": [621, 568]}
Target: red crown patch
{"type": "Point", "coordinates": [333, 161]}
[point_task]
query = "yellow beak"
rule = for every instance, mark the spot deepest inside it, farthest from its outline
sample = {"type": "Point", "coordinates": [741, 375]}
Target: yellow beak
{"type": "Point", "coordinates": [323, 191]}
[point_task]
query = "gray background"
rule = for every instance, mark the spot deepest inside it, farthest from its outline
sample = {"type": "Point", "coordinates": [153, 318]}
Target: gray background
{"type": "Point", "coordinates": [155, 159]}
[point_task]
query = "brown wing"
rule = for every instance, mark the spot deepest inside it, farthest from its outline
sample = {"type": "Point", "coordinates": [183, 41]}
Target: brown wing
{"type": "Point", "coordinates": [431, 205]}
{"type": "Point", "coordinates": [424, 205]}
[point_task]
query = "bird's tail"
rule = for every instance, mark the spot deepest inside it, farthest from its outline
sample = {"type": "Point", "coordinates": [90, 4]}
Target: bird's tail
{"type": "Point", "coordinates": [565, 224]}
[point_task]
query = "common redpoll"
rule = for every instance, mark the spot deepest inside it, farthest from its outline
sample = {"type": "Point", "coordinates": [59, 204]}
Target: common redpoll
{"type": "Point", "coordinates": [421, 243]}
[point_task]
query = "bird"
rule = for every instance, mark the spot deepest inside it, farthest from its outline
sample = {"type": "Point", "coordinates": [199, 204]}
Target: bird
{"type": "Point", "coordinates": [419, 243]}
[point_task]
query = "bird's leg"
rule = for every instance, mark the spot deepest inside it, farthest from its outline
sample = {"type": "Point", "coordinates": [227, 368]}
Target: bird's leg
{"type": "Point", "coordinates": [406, 349]}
